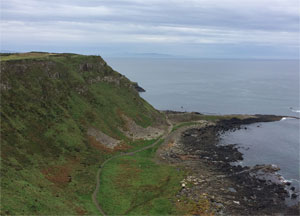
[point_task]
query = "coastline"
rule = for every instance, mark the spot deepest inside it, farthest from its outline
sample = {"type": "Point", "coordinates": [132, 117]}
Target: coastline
{"type": "Point", "coordinates": [229, 188]}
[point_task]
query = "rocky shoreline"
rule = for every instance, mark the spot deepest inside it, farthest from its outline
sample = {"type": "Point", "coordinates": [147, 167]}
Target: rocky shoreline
{"type": "Point", "coordinates": [230, 188]}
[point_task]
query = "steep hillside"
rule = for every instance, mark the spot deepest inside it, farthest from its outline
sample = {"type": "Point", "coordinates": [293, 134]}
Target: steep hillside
{"type": "Point", "coordinates": [61, 116]}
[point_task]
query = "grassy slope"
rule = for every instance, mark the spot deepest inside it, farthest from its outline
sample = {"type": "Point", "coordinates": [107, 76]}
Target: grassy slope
{"type": "Point", "coordinates": [136, 185]}
{"type": "Point", "coordinates": [21, 56]}
{"type": "Point", "coordinates": [48, 164]}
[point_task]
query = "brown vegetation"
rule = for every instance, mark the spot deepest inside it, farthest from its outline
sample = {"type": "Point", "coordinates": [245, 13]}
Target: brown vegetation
{"type": "Point", "coordinates": [127, 173]}
{"type": "Point", "coordinates": [60, 175]}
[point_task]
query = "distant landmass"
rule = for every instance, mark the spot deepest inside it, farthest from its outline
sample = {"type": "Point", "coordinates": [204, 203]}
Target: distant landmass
{"type": "Point", "coordinates": [145, 55]}
{"type": "Point", "coordinates": [7, 51]}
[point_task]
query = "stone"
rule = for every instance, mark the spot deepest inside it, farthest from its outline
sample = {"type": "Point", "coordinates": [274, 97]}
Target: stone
{"type": "Point", "coordinates": [232, 190]}
{"type": "Point", "coordinates": [219, 205]}
{"type": "Point", "coordinates": [236, 202]}
{"type": "Point", "coordinates": [294, 196]}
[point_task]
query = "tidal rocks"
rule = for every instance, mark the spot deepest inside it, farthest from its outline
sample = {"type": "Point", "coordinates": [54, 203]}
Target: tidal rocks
{"type": "Point", "coordinates": [294, 196]}
{"type": "Point", "coordinates": [241, 190]}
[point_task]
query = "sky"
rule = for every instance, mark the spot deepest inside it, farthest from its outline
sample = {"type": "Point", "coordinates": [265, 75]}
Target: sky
{"type": "Point", "coordinates": [183, 28]}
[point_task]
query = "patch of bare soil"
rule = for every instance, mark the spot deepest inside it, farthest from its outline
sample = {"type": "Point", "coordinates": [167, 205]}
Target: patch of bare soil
{"type": "Point", "coordinates": [135, 132]}
{"type": "Point", "coordinates": [102, 139]}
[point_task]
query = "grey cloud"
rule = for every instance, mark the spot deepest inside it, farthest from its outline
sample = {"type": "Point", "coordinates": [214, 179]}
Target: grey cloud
{"type": "Point", "coordinates": [256, 22]}
{"type": "Point", "coordinates": [226, 13]}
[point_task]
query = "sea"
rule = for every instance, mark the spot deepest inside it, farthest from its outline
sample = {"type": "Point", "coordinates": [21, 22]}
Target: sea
{"type": "Point", "coordinates": [230, 86]}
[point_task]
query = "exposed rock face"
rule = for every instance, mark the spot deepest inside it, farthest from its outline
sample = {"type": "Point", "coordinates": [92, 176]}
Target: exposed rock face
{"type": "Point", "coordinates": [86, 67]}
{"type": "Point", "coordinates": [108, 79]}
{"type": "Point", "coordinates": [138, 88]}
{"type": "Point", "coordinates": [55, 71]}
{"type": "Point", "coordinates": [134, 131]}
{"type": "Point", "coordinates": [103, 139]}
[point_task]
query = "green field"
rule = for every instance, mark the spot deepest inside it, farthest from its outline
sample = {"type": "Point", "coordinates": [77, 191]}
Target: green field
{"type": "Point", "coordinates": [137, 185]}
{"type": "Point", "coordinates": [20, 56]}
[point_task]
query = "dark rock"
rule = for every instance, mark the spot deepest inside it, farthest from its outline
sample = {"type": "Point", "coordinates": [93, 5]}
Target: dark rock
{"type": "Point", "coordinates": [294, 196]}
{"type": "Point", "coordinates": [86, 67]}
{"type": "Point", "coordinates": [197, 113]}
{"type": "Point", "coordinates": [255, 195]}
{"type": "Point", "coordinates": [137, 87]}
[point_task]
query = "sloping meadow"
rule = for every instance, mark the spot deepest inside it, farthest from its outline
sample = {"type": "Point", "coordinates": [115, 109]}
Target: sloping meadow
{"type": "Point", "coordinates": [48, 103]}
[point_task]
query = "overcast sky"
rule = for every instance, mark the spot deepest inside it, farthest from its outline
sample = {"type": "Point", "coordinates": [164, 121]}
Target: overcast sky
{"type": "Point", "coordinates": [191, 28]}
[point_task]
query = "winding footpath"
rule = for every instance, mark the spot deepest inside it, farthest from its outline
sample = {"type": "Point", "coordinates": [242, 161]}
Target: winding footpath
{"type": "Point", "coordinates": [95, 193]}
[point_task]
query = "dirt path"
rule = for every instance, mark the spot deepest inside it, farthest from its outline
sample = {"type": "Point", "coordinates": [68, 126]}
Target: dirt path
{"type": "Point", "coordinates": [95, 193]}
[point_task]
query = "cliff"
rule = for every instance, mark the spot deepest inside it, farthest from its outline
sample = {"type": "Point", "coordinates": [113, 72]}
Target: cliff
{"type": "Point", "coordinates": [61, 116]}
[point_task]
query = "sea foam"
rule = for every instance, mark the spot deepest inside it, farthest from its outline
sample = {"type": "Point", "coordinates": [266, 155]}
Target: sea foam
{"type": "Point", "coordinates": [297, 111]}
{"type": "Point", "coordinates": [285, 118]}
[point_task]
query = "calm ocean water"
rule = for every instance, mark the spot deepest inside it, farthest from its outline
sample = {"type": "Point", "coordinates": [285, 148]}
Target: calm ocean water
{"type": "Point", "coordinates": [216, 86]}
{"type": "Point", "coordinates": [270, 143]}
{"type": "Point", "coordinates": [230, 87]}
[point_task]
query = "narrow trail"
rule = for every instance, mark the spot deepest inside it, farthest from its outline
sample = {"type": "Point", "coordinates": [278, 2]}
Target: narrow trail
{"type": "Point", "coordinates": [96, 191]}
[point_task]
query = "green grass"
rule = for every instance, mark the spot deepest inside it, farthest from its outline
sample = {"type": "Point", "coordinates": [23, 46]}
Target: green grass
{"type": "Point", "coordinates": [46, 110]}
{"type": "Point", "coordinates": [136, 185]}
{"type": "Point", "coordinates": [20, 56]}
{"type": "Point", "coordinates": [138, 144]}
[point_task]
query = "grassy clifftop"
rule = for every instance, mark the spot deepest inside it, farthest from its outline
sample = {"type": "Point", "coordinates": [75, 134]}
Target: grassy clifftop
{"type": "Point", "coordinates": [49, 103]}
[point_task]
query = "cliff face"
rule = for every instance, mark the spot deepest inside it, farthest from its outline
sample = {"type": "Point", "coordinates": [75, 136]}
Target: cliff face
{"type": "Point", "coordinates": [50, 103]}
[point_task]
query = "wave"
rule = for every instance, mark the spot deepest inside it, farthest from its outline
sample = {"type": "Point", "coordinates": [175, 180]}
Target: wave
{"type": "Point", "coordinates": [294, 110]}
{"type": "Point", "coordinates": [296, 180]}
{"type": "Point", "coordinates": [285, 118]}
{"type": "Point", "coordinates": [297, 111]}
